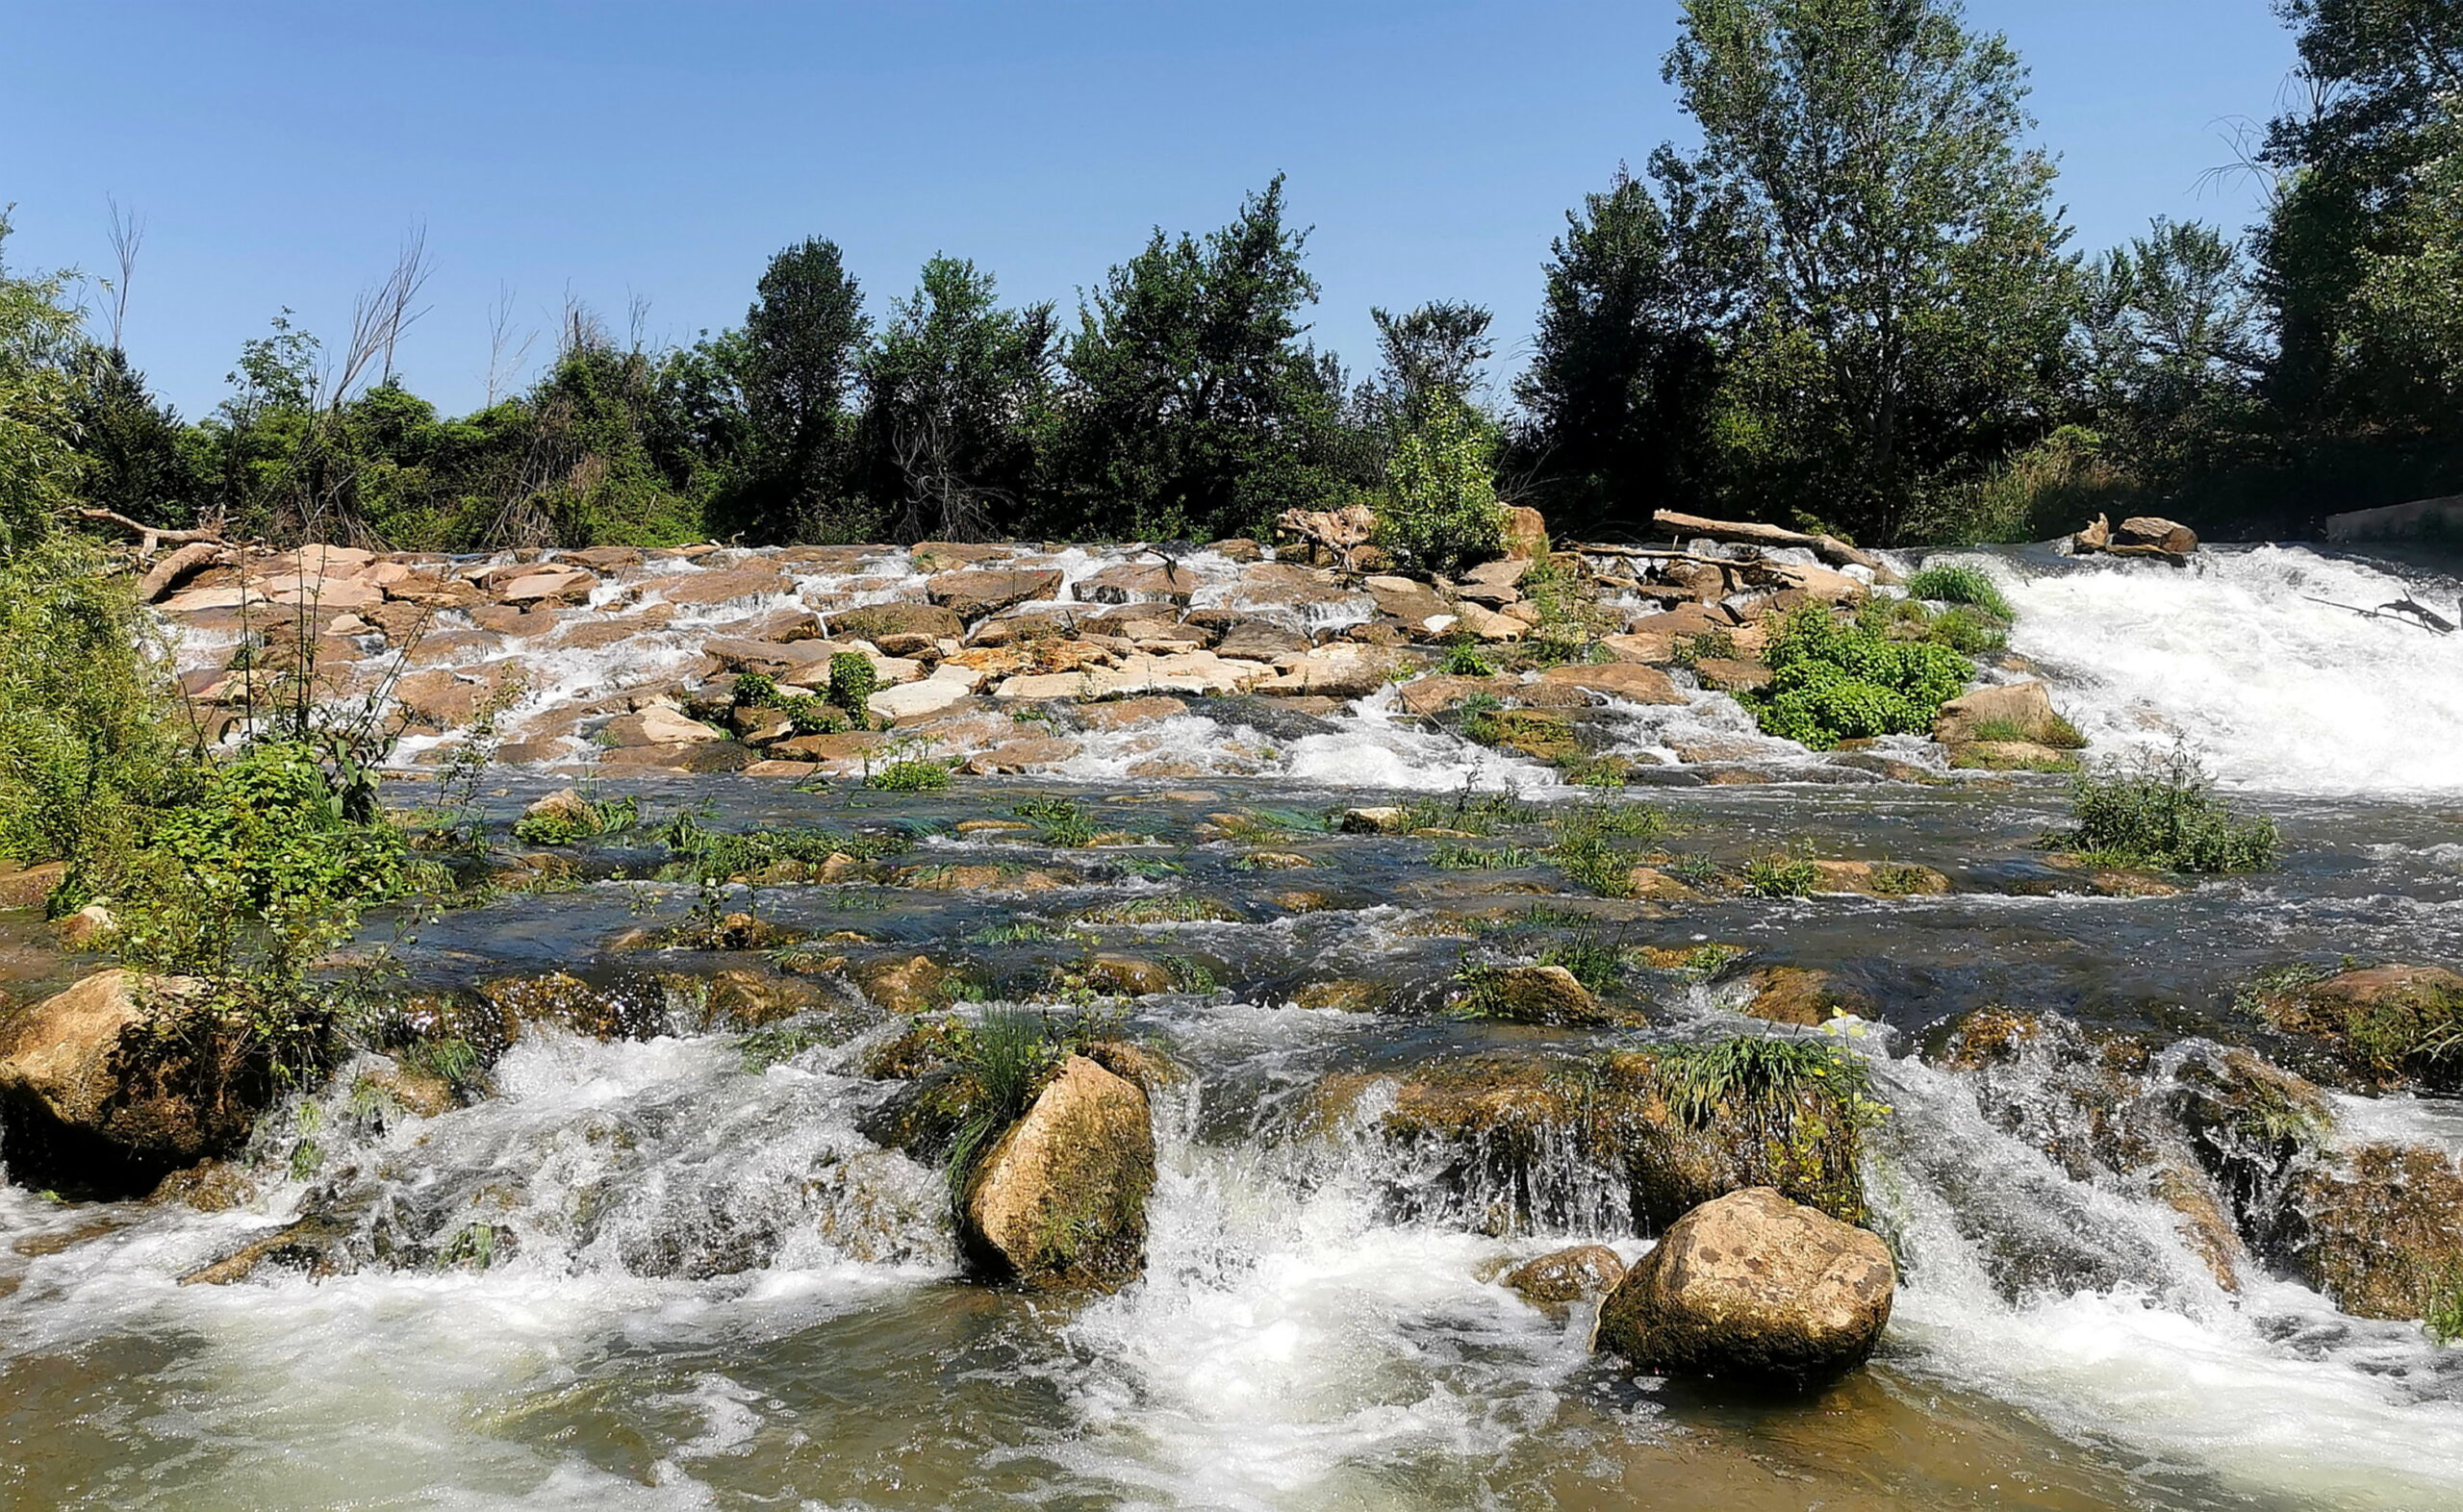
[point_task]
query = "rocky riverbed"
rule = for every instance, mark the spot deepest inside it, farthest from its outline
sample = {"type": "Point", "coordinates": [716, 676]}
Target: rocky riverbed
{"type": "Point", "coordinates": [1373, 1056]}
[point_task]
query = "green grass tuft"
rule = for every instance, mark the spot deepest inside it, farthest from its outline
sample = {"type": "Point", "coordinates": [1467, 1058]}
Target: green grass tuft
{"type": "Point", "coordinates": [1947, 583]}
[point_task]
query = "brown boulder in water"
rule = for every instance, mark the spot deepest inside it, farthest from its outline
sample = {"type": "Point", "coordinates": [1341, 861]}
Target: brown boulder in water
{"type": "Point", "coordinates": [1061, 1197]}
{"type": "Point", "coordinates": [1755, 1286]}
{"type": "Point", "coordinates": [1568, 1275]}
{"type": "Point", "coordinates": [84, 1109]}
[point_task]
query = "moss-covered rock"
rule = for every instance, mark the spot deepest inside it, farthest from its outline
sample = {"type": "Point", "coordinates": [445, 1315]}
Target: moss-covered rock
{"type": "Point", "coordinates": [1632, 1138]}
{"type": "Point", "coordinates": [2381, 1229]}
{"type": "Point", "coordinates": [1539, 994]}
{"type": "Point", "coordinates": [1059, 1199]}
{"type": "Point", "coordinates": [2386, 1025]}
{"type": "Point", "coordinates": [1753, 1286]}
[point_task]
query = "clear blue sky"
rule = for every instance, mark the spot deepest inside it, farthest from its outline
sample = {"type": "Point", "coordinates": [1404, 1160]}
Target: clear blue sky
{"type": "Point", "coordinates": [662, 151]}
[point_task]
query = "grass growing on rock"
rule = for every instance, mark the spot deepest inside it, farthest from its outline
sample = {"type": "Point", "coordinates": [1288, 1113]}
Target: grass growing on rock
{"type": "Point", "coordinates": [913, 774]}
{"type": "Point", "coordinates": [700, 852]}
{"type": "Point", "coordinates": [2160, 812]}
{"type": "Point", "coordinates": [1671, 1125]}
{"type": "Point", "coordinates": [1781, 875]}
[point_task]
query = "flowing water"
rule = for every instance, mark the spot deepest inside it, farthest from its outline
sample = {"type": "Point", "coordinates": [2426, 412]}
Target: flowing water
{"type": "Point", "coordinates": [704, 1284]}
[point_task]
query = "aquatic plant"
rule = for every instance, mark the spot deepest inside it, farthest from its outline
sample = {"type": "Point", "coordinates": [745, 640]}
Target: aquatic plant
{"type": "Point", "coordinates": [1058, 821]}
{"type": "Point", "coordinates": [2159, 810]}
{"type": "Point", "coordinates": [1584, 851]}
{"type": "Point", "coordinates": [1452, 856]}
{"type": "Point", "coordinates": [1781, 875]}
{"type": "Point", "coordinates": [699, 852]}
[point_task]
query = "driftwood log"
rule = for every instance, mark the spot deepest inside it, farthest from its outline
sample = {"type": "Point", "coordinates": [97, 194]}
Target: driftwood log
{"type": "Point", "coordinates": [152, 538]}
{"type": "Point", "coordinates": [1830, 549]}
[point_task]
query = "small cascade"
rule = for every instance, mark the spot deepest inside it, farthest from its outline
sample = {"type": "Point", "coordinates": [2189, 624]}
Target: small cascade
{"type": "Point", "coordinates": [2255, 658]}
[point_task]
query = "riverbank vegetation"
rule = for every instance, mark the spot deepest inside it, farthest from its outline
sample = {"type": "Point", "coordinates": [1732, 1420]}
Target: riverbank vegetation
{"type": "Point", "coordinates": [1742, 328]}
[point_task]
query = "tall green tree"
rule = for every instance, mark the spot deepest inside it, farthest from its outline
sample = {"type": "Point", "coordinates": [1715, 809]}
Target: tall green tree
{"type": "Point", "coordinates": [1910, 301]}
{"type": "Point", "coordinates": [2174, 347]}
{"type": "Point", "coordinates": [2353, 247]}
{"type": "Point", "coordinates": [1626, 360]}
{"type": "Point", "coordinates": [956, 395]}
{"type": "Point", "coordinates": [801, 339]}
{"type": "Point", "coordinates": [38, 334]}
{"type": "Point", "coordinates": [1193, 407]}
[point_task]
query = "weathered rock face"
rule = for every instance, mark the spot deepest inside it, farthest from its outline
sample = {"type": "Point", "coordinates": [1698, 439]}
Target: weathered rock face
{"type": "Point", "coordinates": [80, 1110]}
{"type": "Point", "coordinates": [1757, 1287]}
{"type": "Point", "coordinates": [971, 595]}
{"type": "Point", "coordinates": [1060, 1198]}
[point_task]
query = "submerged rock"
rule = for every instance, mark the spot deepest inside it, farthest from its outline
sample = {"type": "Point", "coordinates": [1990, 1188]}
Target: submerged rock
{"type": "Point", "coordinates": [1579, 1274]}
{"type": "Point", "coordinates": [1755, 1286]}
{"type": "Point", "coordinates": [1061, 1197]}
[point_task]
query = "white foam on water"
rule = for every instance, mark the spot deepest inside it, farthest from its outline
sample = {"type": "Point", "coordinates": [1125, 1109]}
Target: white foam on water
{"type": "Point", "coordinates": [2233, 655]}
{"type": "Point", "coordinates": [2269, 1390]}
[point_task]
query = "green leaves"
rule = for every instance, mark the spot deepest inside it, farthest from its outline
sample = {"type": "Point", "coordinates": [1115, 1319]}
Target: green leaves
{"type": "Point", "coordinates": [1441, 509]}
{"type": "Point", "coordinates": [1833, 681]}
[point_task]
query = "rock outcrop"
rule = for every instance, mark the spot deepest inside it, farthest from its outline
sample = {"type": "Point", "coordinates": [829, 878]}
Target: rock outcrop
{"type": "Point", "coordinates": [1755, 1287]}
{"type": "Point", "coordinates": [84, 1107]}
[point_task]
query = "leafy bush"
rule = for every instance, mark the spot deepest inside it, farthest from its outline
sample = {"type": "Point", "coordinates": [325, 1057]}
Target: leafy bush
{"type": "Point", "coordinates": [570, 825]}
{"type": "Point", "coordinates": [89, 752]}
{"type": "Point", "coordinates": [1833, 681]}
{"type": "Point", "coordinates": [1467, 661]}
{"type": "Point", "coordinates": [851, 684]}
{"type": "Point", "coordinates": [1440, 511]}
{"type": "Point", "coordinates": [1947, 583]}
{"type": "Point", "coordinates": [2160, 811]}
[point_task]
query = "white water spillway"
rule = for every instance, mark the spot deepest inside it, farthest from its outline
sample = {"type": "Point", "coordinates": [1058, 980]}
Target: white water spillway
{"type": "Point", "coordinates": [2256, 659]}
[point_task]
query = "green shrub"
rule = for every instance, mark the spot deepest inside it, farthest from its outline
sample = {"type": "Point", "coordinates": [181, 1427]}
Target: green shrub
{"type": "Point", "coordinates": [756, 691]}
{"type": "Point", "coordinates": [1467, 661]}
{"type": "Point", "coordinates": [1440, 511]}
{"type": "Point", "coordinates": [1710, 645]}
{"type": "Point", "coordinates": [588, 820]}
{"type": "Point", "coordinates": [851, 684]}
{"type": "Point", "coordinates": [89, 753]}
{"type": "Point", "coordinates": [1833, 681]}
{"type": "Point", "coordinates": [1947, 583]}
{"type": "Point", "coordinates": [2160, 812]}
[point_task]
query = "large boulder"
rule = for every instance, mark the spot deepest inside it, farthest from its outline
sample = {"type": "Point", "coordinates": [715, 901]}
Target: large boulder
{"type": "Point", "coordinates": [1755, 1286]}
{"type": "Point", "coordinates": [1061, 1197]}
{"type": "Point", "coordinates": [83, 1108]}
{"type": "Point", "coordinates": [2010, 712]}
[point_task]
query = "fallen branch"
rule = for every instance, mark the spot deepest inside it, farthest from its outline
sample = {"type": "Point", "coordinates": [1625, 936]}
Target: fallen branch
{"type": "Point", "coordinates": [152, 537]}
{"type": "Point", "coordinates": [2402, 611]}
{"type": "Point", "coordinates": [1830, 549]}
